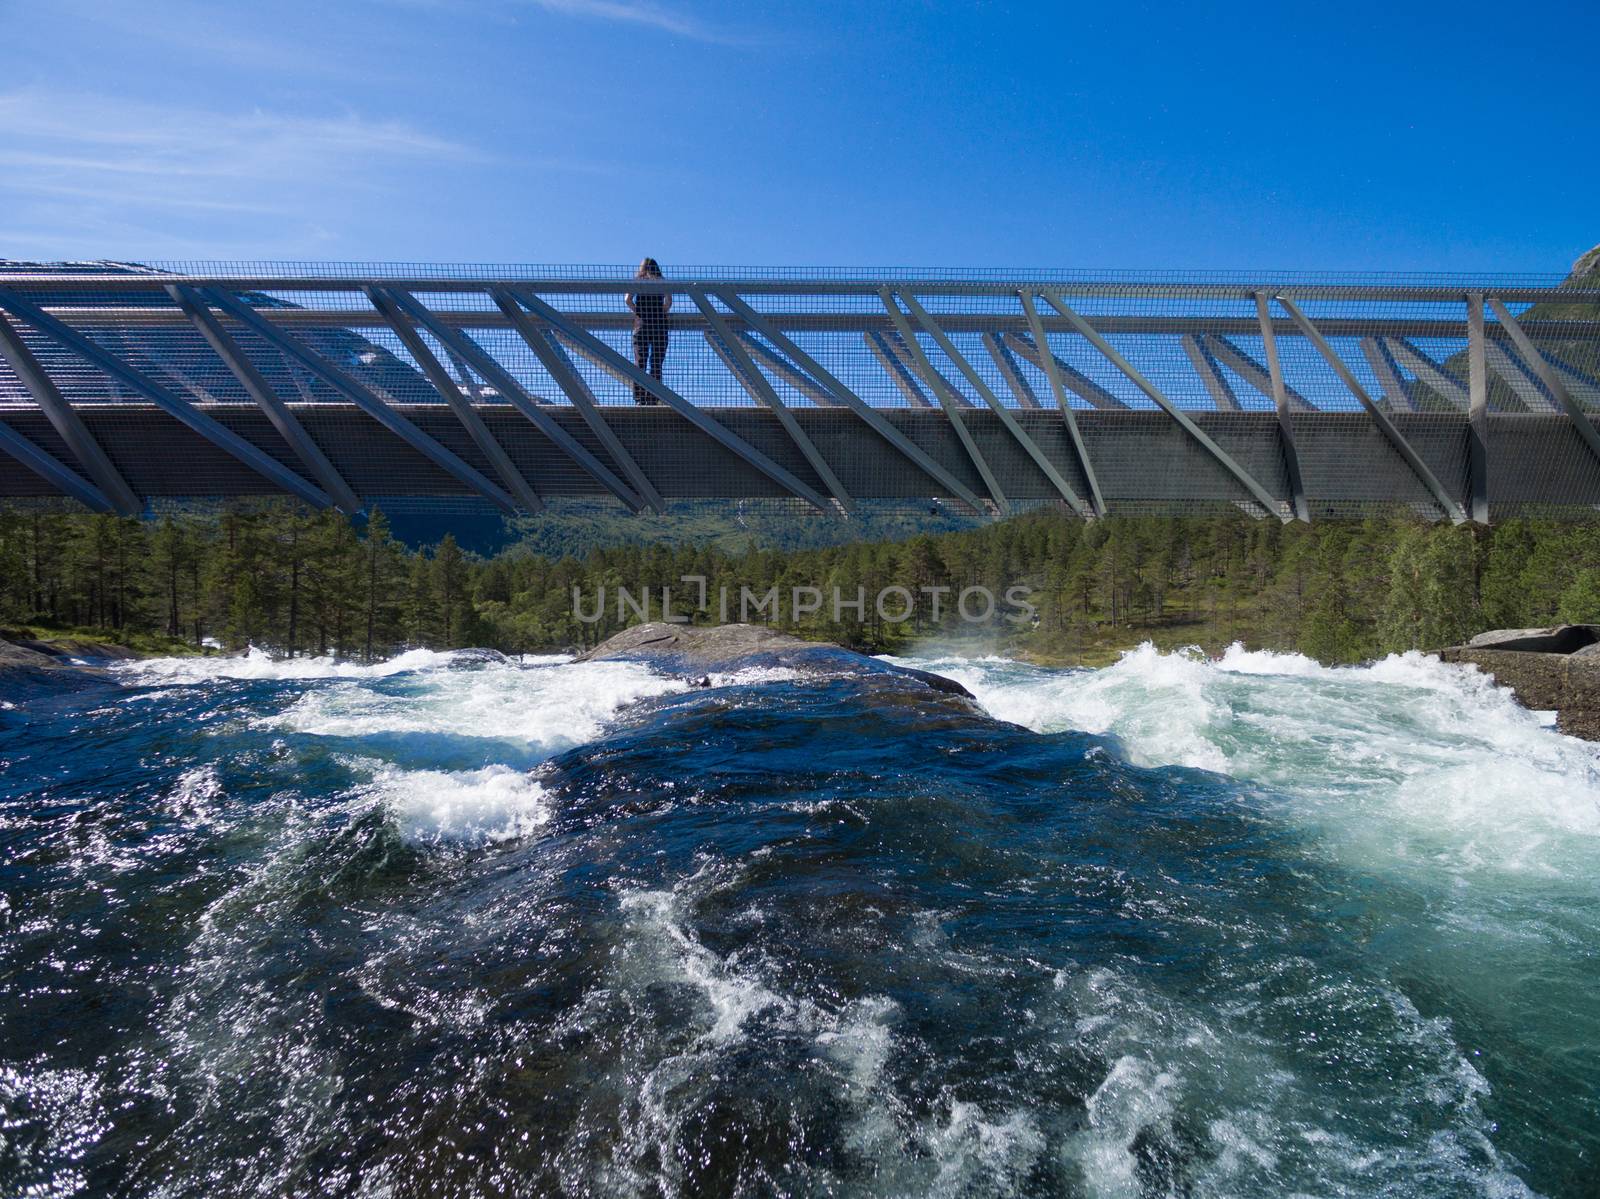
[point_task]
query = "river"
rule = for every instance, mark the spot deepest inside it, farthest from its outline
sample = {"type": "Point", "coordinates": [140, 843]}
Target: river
{"type": "Point", "coordinates": [452, 927]}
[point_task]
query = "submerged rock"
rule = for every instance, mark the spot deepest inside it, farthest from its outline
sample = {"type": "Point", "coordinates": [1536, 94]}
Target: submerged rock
{"type": "Point", "coordinates": [473, 659]}
{"type": "Point", "coordinates": [695, 653]}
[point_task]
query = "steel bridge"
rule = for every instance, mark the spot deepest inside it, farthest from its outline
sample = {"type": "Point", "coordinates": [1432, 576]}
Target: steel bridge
{"type": "Point", "coordinates": [124, 386]}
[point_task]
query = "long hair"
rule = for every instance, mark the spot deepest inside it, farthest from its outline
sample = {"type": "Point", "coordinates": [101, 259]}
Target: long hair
{"type": "Point", "coordinates": [648, 269]}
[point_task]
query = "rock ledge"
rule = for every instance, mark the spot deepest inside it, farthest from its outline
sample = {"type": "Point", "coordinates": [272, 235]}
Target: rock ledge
{"type": "Point", "coordinates": [696, 651]}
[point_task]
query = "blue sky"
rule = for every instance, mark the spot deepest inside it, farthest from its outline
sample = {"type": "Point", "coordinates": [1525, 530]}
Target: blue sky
{"type": "Point", "coordinates": [1359, 136]}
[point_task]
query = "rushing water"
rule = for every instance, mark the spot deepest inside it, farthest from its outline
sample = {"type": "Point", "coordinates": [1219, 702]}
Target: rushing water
{"type": "Point", "coordinates": [1252, 927]}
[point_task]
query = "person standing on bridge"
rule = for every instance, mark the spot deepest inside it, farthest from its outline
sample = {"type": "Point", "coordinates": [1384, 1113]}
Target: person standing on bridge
{"type": "Point", "coordinates": [649, 310]}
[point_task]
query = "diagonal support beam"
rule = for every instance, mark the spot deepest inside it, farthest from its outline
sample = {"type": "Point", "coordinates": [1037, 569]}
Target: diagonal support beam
{"type": "Point", "coordinates": [362, 397]}
{"type": "Point", "coordinates": [1520, 378]}
{"type": "Point", "coordinates": [1278, 392]}
{"type": "Point", "coordinates": [1429, 371]}
{"type": "Point", "coordinates": [1553, 382]}
{"type": "Point", "coordinates": [1252, 372]}
{"type": "Point", "coordinates": [873, 418]}
{"type": "Point", "coordinates": [1029, 446]}
{"type": "Point", "coordinates": [1073, 379]}
{"type": "Point", "coordinates": [733, 355]}
{"type": "Point", "coordinates": [796, 379]}
{"type": "Point", "coordinates": [946, 395]}
{"type": "Point", "coordinates": [109, 485]}
{"type": "Point", "coordinates": [1477, 411]}
{"type": "Point", "coordinates": [895, 345]}
{"type": "Point", "coordinates": [565, 372]}
{"type": "Point", "coordinates": [1063, 405]}
{"type": "Point", "coordinates": [1584, 388]}
{"type": "Point", "coordinates": [1383, 365]}
{"type": "Point", "coordinates": [577, 391]}
{"type": "Point", "coordinates": [493, 452]}
{"type": "Point", "coordinates": [256, 387]}
{"type": "Point", "coordinates": [603, 355]}
{"type": "Point", "coordinates": [1010, 372]}
{"type": "Point", "coordinates": [55, 473]}
{"type": "Point", "coordinates": [457, 342]}
{"type": "Point", "coordinates": [1210, 373]}
{"type": "Point", "coordinates": [1264, 497]}
{"type": "Point", "coordinates": [175, 406]}
{"type": "Point", "coordinates": [897, 370]}
{"type": "Point", "coordinates": [1418, 467]}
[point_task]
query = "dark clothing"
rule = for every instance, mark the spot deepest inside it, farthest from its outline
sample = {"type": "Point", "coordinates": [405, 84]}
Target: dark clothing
{"type": "Point", "coordinates": [649, 349]}
{"type": "Point", "coordinates": [649, 308]}
{"type": "Point", "coordinates": [649, 339]}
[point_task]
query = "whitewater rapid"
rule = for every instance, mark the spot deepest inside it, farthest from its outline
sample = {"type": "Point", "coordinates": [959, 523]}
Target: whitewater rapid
{"type": "Point", "coordinates": [1182, 926]}
{"type": "Point", "coordinates": [1410, 760]}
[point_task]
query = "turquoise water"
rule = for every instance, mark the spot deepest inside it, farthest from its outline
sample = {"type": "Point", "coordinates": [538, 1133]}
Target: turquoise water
{"type": "Point", "coordinates": [1248, 927]}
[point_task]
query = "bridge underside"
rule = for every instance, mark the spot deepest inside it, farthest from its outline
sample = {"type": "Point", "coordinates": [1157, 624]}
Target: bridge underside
{"type": "Point", "coordinates": [1144, 462]}
{"type": "Point", "coordinates": [122, 386]}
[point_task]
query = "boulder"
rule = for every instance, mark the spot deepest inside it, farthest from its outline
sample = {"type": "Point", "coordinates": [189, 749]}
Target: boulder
{"type": "Point", "coordinates": [1558, 639]}
{"type": "Point", "coordinates": [696, 652]}
{"type": "Point", "coordinates": [16, 657]}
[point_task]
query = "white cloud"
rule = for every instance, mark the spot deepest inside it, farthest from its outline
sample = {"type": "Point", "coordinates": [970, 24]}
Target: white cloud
{"type": "Point", "coordinates": [644, 13]}
{"type": "Point", "coordinates": [633, 12]}
{"type": "Point", "coordinates": [76, 168]}
{"type": "Point", "coordinates": [45, 131]}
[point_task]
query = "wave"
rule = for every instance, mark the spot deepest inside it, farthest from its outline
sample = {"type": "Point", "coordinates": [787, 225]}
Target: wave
{"type": "Point", "coordinates": [547, 708]}
{"type": "Point", "coordinates": [470, 807]}
{"type": "Point", "coordinates": [1408, 758]}
{"type": "Point", "coordinates": [257, 663]}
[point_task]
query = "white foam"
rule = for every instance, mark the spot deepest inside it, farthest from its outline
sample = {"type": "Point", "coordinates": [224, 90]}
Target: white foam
{"type": "Point", "coordinates": [547, 708]}
{"type": "Point", "coordinates": [1409, 759]}
{"type": "Point", "coordinates": [470, 806]}
{"type": "Point", "coordinates": [731, 995]}
{"type": "Point", "coordinates": [258, 664]}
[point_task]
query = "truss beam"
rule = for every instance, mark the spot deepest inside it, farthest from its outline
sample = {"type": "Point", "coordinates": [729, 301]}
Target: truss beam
{"type": "Point", "coordinates": [1029, 446]}
{"type": "Point", "coordinates": [946, 395]}
{"type": "Point", "coordinates": [56, 473]}
{"type": "Point", "coordinates": [1063, 405]}
{"type": "Point", "coordinates": [897, 370]}
{"type": "Point", "coordinates": [873, 418]}
{"type": "Point", "coordinates": [555, 360]}
{"type": "Point", "coordinates": [1006, 364]}
{"type": "Point", "coordinates": [1552, 381]}
{"type": "Point", "coordinates": [785, 369]}
{"type": "Point", "coordinates": [1429, 371]}
{"type": "Point", "coordinates": [1477, 412]}
{"type": "Point", "coordinates": [213, 431]}
{"type": "Point", "coordinates": [1073, 379]}
{"type": "Point", "coordinates": [1210, 372]}
{"type": "Point", "coordinates": [1381, 360]}
{"type": "Point", "coordinates": [1262, 496]}
{"type": "Point", "coordinates": [605, 356]}
{"type": "Point", "coordinates": [493, 452]}
{"type": "Point", "coordinates": [515, 394]}
{"type": "Point", "coordinates": [1519, 377]}
{"type": "Point", "coordinates": [1251, 371]}
{"type": "Point", "coordinates": [110, 488]}
{"type": "Point", "coordinates": [1278, 392]}
{"type": "Point", "coordinates": [363, 398]}
{"type": "Point", "coordinates": [565, 372]}
{"type": "Point", "coordinates": [732, 352]}
{"type": "Point", "coordinates": [1418, 467]}
{"type": "Point", "coordinates": [257, 388]}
